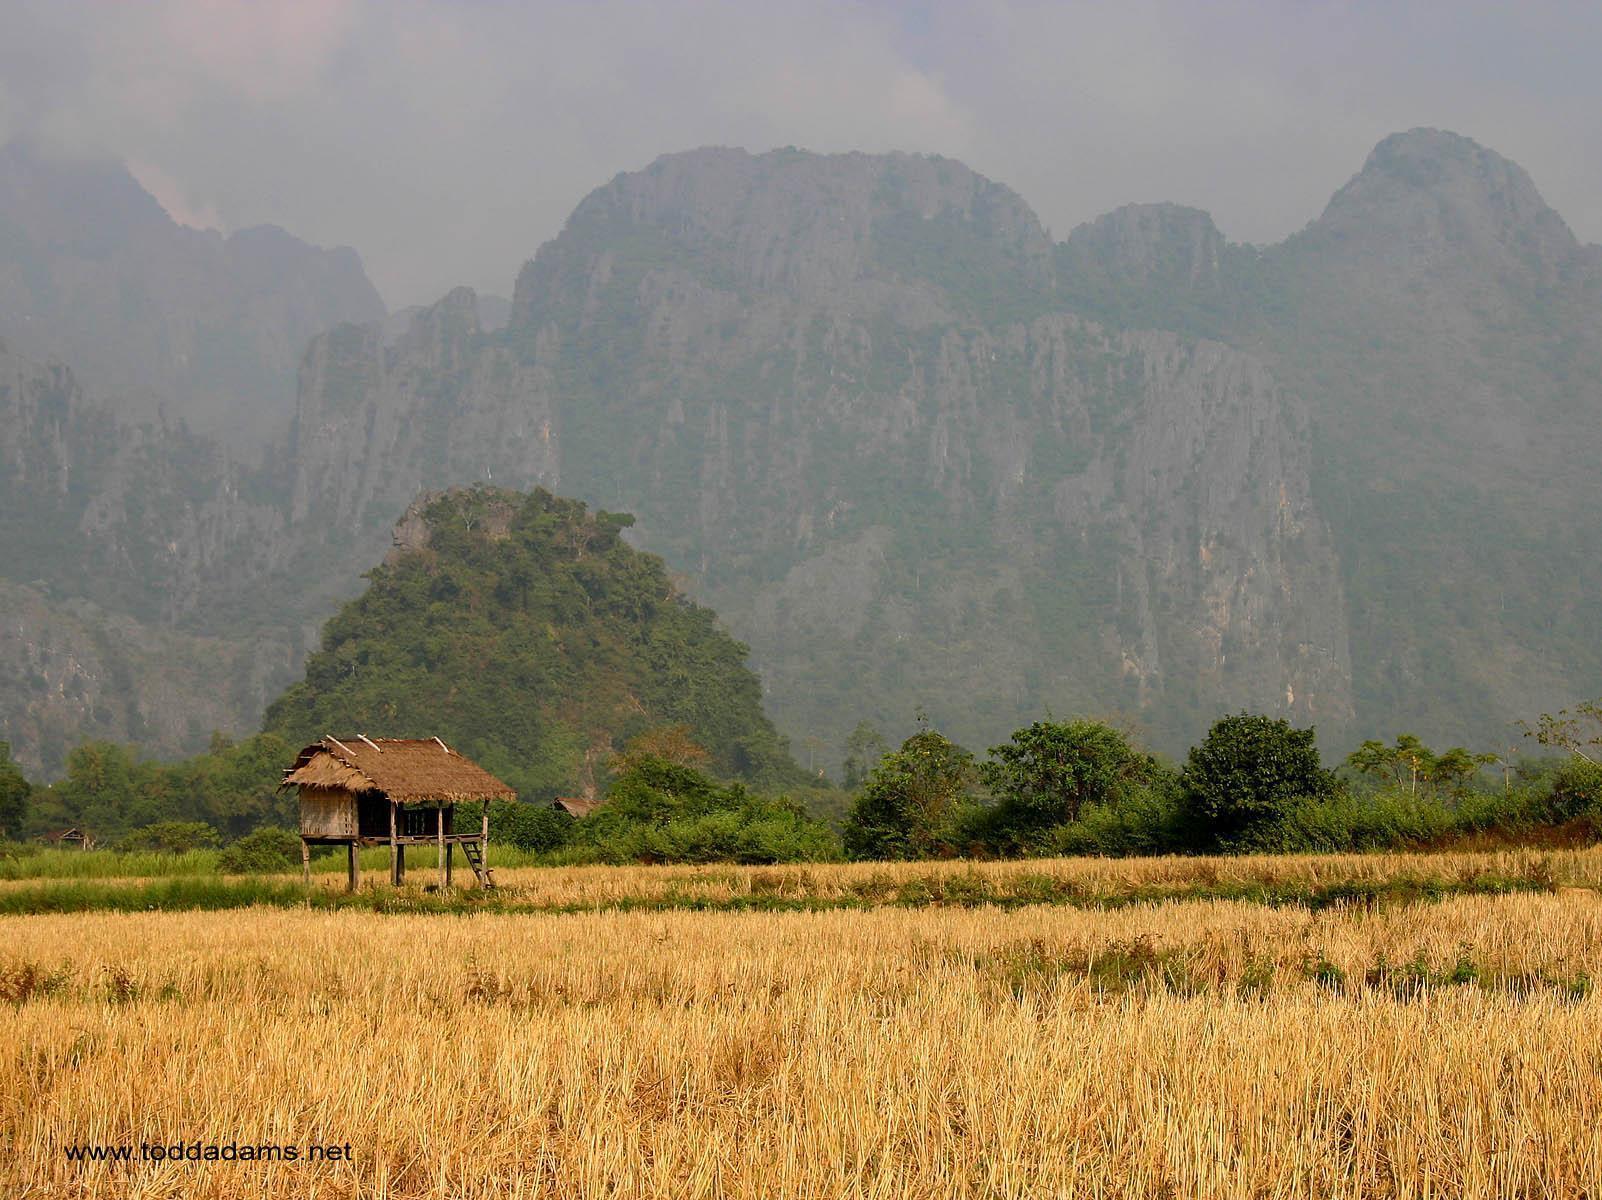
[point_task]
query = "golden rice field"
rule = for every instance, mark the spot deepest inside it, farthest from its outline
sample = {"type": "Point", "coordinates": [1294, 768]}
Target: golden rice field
{"type": "Point", "coordinates": [1200, 1048]}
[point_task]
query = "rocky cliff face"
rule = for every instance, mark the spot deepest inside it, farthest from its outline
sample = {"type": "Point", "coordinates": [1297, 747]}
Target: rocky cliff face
{"type": "Point", "coordinates": [137, 557]}
{"type": "Point", "coordinates": [161, 319]}
{"type": "Point", "coordinates": [376, 423]}
{"type": "Point", "coordinates": [835, 393]}
{"type": "Point", "coordinates": [1440, 323]}
{"type": "Point", "coordinates": [916, 455]}
{"type": "Point", "coordinates": [71, 670]}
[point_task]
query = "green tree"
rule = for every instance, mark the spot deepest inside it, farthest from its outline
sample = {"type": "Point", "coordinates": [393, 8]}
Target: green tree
{"type": "Point", "coordinates": [1051, 771]}
{"type": "Point", "coordinates": [910, 800]}
{"type": "Point", "coordinates": [1410, 765]}
{"type": "Point", "coordinates": [1247, 771]}
{"type": "Point", "coordinates": [660, 811]}
{"type": "Point", "coordinates": [1579, 732]}
{"type": "Point", "coordinates": [864, 747]}
{"type": "Point", "coordinates": [527, 633]}
{"type": "Point", "coordinates": [170, 837]}
{"type": "Point", "coordinates": [14, 793]}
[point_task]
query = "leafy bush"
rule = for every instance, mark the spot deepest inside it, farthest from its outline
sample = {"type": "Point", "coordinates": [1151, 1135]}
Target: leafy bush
{"type": "Point", "coordinates": [1248, 772]}
{"type": "Point", "coordinates": [111, 791]}
{"type": "Point", "coordinates": [1150, 820]}
{"type": "Point", "coordinates": [1050, 773]}
{"type": "Point", "coordinates": [1576, 791]}
{"type": "Point", "coordinates": [660, 811]}
{"type": "Point", "coordinates": [170, 837]}
{"type": "Point", "coordinates": [14, 793]}
{"type": "Point", "coordinates": [263, 852]}
{"type": "Point", "coordinates": [536, 828]}
{"type": "Point", "coordinates": [913, 801]}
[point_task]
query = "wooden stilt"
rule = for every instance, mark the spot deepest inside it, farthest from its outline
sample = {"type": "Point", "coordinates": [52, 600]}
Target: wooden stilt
{"type": "Point", "coordinates": [353, 873]}
{"type": "Point", "coordinates": [439, 842]}
{"type": "Point", "coordinates": [305, 861]}
{"type": "Point", "coordinates": [394, 850]}
{"type": "Point", "coordinates": [450, 848]}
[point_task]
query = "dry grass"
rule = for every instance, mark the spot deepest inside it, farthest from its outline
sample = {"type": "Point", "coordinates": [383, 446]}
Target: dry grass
{"type": "Point", "coordinates": [595, 886]}
{"type": "Point", "coordinates": [591, 886]}
{"type": "Point", "coordinates": [1196, 1049]}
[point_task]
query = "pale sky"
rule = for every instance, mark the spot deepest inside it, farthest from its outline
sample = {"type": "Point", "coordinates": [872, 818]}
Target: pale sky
{"type": "Point", "coordinates": [446, 141]}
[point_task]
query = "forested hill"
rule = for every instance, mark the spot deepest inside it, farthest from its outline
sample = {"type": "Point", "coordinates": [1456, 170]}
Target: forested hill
{"type": "Point", "coordinates": [916, 454]}
{"type": "Point", "coordinates": [524, 630]}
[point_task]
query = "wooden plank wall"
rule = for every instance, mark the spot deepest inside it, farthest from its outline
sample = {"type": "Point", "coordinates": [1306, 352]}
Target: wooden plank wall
{"type": "Point", "coordinates": [327, 814]}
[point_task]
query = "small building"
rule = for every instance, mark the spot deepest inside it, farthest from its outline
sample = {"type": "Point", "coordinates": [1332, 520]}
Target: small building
{"type": "Point", "coordinates": [575, 806]}
{"type": "Point", "coordinates": [71, 838]}
{"type": "Point", "coordinates": [398, 792]}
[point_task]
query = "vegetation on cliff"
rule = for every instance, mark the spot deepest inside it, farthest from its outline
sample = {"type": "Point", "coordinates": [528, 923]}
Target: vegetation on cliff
{"type": "Point", "coordinates": [524, 630]}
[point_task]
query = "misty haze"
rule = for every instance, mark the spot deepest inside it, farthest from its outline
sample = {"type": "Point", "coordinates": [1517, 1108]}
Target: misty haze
{"type": "Point", "coordinates": [1013, 533]}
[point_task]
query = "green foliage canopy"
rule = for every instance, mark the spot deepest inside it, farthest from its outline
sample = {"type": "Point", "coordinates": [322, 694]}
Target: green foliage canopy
{"type": "Point", "coordinates": [528, 633]}
{"type": "Point", "coordinates": [14, 793]}
{"type": "Point", "coordinates": [1050, 772]}
{"type": "Point", "coordinates": [1248, 770]}
{"type": "Point", "coordinates": [660, 811]}
{"type": "Point", "coordinates": [907, 807]}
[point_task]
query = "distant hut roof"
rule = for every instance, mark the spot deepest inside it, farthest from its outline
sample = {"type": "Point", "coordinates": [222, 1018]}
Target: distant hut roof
{"type": "Point", "coordinates": [410, 770]}
{"type": "Point", "coordinates": [575, 806]}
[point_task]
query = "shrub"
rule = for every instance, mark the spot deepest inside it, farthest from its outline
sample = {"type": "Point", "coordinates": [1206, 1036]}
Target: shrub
{"type": "Point", "coordinates": [1148, 821]}
{"type": "Point", "coordinates": [263, 852]}
{"type": "Point", "coordinates": [1050, 772]}
{"type": "Point", "coordinates": [1577, 791]}
{"type": "Point", "coordinates": [910, 806]}
{"type": "Point", "coordinates": [534, 828]}
{"type": "Point", "coordinates": [1248, 772]}
{"type": "Point", "coordinates": [661, 811]}
{"type": "Point", "coordinates": [170, 837]}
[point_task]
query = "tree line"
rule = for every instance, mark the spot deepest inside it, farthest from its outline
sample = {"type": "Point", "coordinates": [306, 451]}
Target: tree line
{"type": "Point", "coordinates": [1255, 783]}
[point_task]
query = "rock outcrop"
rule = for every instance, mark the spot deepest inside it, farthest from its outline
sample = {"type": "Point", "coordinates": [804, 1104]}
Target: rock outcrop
{"type": "Point", "coordinates": [164, 321]}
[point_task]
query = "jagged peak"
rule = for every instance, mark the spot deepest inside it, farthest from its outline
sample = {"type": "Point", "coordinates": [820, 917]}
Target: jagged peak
{"type": "Point", "coordinates": [1431, 184]}
{"type": "Point", "coordinates": [790, 218]}
{"type": "Point", "coordinates": [450, 318]}
{"type": "Point", "coordinates": [79, 201]}
{"type": "Point", "coordinates": [1143, 243]}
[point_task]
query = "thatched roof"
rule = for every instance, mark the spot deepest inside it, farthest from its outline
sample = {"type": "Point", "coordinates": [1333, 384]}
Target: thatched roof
{"type": "Point", "coordinates": [575, 806]}
{"type": "Point", "coordinates": [410, 770]}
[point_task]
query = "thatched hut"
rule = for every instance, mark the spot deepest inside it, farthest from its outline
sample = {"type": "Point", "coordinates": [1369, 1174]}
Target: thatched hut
{"type": "Point", "coordinates": [71, 838]}
{"type": "Point", "coordinates": [401, 792]}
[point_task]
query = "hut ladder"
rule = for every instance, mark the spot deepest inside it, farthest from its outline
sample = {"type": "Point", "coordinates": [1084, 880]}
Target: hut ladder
{"type": "Point", "coordinates": [475, 859]}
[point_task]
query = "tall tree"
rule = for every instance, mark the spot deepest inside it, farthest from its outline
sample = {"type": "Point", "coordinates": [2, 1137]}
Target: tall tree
{"type": "Point", "coordinates": [908, 803]}
{"type": "Point", "coordinates": [14, 793]}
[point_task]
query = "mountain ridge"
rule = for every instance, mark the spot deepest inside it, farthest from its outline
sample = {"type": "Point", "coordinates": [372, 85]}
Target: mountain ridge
{"type": "Point", "coordinates": [162, 320]}
{"type": "Point", "coordinates": [917, 454]}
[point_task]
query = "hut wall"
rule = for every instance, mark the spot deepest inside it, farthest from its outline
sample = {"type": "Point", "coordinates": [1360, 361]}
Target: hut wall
{"type": "Point", "coordinates": [327, 813]}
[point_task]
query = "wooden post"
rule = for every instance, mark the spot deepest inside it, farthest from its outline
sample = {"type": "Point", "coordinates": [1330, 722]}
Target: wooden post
{"type": "Point", "coordinates": [353, 874]}
{"type": "Point", "coordinates": [305, 861]}
{"type": "Point", "coordinates": [450, 848]}
{"type": "Point", "coordinates": [396, 863]}
{"type": "Point", "coordinates": [439, 843]}
{"type": "Point", "coordinates": [483, 839]}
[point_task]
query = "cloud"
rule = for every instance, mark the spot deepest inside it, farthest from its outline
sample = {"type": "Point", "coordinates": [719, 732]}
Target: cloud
{"type": "Point", "coordinates": [446, 140]}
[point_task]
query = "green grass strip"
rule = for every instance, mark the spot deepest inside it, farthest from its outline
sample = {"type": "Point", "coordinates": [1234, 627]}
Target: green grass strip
{"type": "Point", "coordinates": [191, 894]}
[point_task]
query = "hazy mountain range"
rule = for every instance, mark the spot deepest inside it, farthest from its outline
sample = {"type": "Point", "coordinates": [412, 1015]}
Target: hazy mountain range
{"type": "Point", "coordinates": [912, 450]}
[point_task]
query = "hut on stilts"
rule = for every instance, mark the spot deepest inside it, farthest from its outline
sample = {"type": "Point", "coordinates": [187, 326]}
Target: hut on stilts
{"type": "Point", "coordinates": [402, 792]}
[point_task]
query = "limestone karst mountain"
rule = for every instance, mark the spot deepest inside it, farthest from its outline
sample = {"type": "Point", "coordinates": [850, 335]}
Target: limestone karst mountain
{"type": "Point", "coordinates": [153, 316]}
{"type": "Point", "coordinates": [914, 453]}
